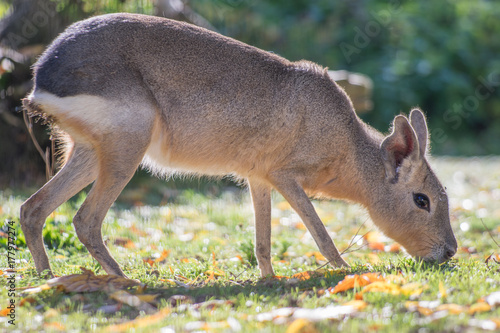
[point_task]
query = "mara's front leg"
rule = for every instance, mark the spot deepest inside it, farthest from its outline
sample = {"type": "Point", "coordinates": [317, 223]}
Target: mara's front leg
{"type": "Point", "coordinates": [298, 199]}
{"type": "Point", "coordinates": [261, 198]}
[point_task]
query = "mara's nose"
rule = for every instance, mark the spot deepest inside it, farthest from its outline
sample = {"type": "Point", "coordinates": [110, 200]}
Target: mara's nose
{"type": "Point", "coordinates": [449, 252]}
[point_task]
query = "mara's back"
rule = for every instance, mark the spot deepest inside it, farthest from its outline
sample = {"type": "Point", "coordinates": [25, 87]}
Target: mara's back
{"type": "Point", "coordinates": [216, 97]}
{"type": "Point", "coordinates": [104, 55]}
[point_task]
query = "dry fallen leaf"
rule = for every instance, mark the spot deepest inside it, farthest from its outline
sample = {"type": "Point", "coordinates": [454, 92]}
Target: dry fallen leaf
{"type": "Point", "coordinates": [301, 326]}
{"type": "Point", "coordinates": [283, 205]}
{"type": "Point", "coordinates": [479, 307]}
{"type": "Point", "coordinates": [356, 281]}
{"type": "Point", "coordinates": [51, 313]}
{"type": "Point", "coordinates": [304, 275]}
{"type": "Point", "coordinates": [164, 255]}
{"type": "Point", "coordinates": [356, 304]}
{"type": "Point", "coordinates": [394, 248]}
{"type": "Point", "coordinates": [376, 246]}
{"type": "Point", "coordinates": [137, 231]}
{"type": "Point", "coordinates": [54, 326]}
{"type": "Point", "coordinates": [452, 308]}
{"type": "Point", "coordinates": [373, 237]}
{"type": "Point", "coordinates": [413, 289]}
{"type": "Point", "coordinates": [149, 261]}
{"type": "Point", "coordinates": [5, 312]}
{"type": "Point", "coordinates": [25, 300]}
{"type": "Point", "coordinates": [86, 282]}
{"type": "Point", "coordinates": [383, 287]}
{"type": "Point", "coordinates": [215, 272]}
{"type": "Point", "coordinates": [442, 290]}
{"type": "Point", "coordinates": [317, 255]}
{"type": "Point", "coordinates": [161, 258]}
{"type": "Point", "coordinates": [124, 242]}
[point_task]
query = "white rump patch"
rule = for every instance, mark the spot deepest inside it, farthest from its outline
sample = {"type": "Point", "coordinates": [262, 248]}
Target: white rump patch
{"type": "Point", "coordinates": [92, 110]}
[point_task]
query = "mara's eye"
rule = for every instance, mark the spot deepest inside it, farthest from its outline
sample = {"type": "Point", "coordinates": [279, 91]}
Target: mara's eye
{"type": "Point", "coordinates": [422, 201]}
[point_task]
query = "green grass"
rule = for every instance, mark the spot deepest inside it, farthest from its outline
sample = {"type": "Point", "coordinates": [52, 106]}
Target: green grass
{"type": "Point", "coordinates": [197, 227]}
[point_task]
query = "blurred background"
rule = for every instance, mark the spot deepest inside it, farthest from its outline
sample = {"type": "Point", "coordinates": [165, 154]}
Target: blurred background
{"type": "Point", "coordinates": [443, 56]}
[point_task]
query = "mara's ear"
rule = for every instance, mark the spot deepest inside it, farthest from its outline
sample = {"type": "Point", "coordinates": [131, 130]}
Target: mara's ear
{"type": "Point", "coordinates": [400, 144]}
{"type": "Point", "coordinates": [417, 121]}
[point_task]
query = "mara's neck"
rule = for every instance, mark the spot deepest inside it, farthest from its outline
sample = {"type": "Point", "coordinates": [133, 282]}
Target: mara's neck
{"type": "Point", "coordinates": [370, 171]}
{"type": "Point", "coordinates": [358, 169]}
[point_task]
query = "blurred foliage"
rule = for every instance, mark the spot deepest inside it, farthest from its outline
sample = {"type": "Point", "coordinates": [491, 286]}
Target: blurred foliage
{"type": "Point", "coordinates": [441, 56]}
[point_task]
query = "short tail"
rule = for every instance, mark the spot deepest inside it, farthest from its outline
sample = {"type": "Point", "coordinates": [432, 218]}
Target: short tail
{"type": "Point", "coordinates": [64, 143]}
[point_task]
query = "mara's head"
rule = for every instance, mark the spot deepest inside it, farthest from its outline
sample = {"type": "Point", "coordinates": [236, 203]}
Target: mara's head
{"type": "Point", "coordinates": [412, 206]}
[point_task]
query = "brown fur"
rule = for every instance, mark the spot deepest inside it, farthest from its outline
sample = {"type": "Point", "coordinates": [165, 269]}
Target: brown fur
{"type": "Point", "coordinates": [180, 99]}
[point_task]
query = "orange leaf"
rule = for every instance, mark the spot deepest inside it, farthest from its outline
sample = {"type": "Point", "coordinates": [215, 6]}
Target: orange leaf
{"type": "Point", "coordinates": [25, 300]}
{"type": "Point", "coordinates": [54, 326]}
{"type": "Point", "coordinates": [383, 287]}
{"type": "Point", "coordinates": [424, 311]}
{"type": "Point", "coordinates": [301, 326]}
{"type": "Point", "coordinates": [395, 248]}
{"type": "Point", "coordinates": [5, 312]}
{"type": "Point", "coordinates": [308, 274]}
{"type": "Point", "coordinates": [138, 232]}
{"type": "Point", "coordinates": [357, 304]}
{"type": "Point", "coordinates": [377, 246]}
{"type": "Point", "coordinates": [412, 289]}
{"type": "Point", "coordinates": [163, 256]}
{"type": "Point", "coordinates": [316, 255]}
{"type": "Point", "coordinates": [300, 226]}
{"type": "Point", "coordinates": [372, 277]}
{"type": "Point", "coordinates": [496, 321]}
{"type": "Point", "coordinates": [356, 281]}
{"type": "Point", "coordinates": [302, 276]}
{"type": "Point", "coordinates": [479, 307]}
{"type": "Point", "coordinates": [283, 205]}
{"type": "Point", "coordinates": [149, 261]}
{"type": "Point", "coordinates": [451, 308]}
{"type": "Point", "coordinates": [442, 289]}
{"type": "Point", "coordinates": [373, 237]}
{"type": "Point", "coordinates": [124, 242]}
{"type": "Point", "coordinates": [214, 272]}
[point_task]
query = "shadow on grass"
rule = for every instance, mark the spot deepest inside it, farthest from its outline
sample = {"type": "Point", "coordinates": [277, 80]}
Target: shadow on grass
{"type": "Point", "coordinates": [225, 291]}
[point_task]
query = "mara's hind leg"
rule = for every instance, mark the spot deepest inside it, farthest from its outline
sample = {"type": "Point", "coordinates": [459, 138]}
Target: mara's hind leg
{"type": "Point", "coordinates": [118, 158]}
{"type": "Point", "coordinates": [78, 172]}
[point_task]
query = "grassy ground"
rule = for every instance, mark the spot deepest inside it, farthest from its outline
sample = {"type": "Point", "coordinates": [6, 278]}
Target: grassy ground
{"type": "Point", "coordinates": [194, 259]}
